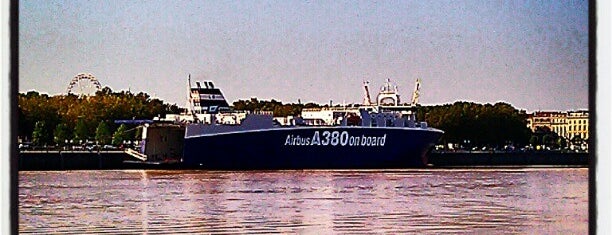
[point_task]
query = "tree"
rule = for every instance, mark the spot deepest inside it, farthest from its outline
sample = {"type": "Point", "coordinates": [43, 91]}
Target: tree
{"type": "Point", "coordinates": [39, 135]}
{"type": "Point", "coordinates": [561, 142]}
{"type": "Point", "coordinates": [547, 139]}
{"type": "Point", "coordinates": [103, 133]}
{"type": "Point", "coordinates": [138, 133]}
{"type": "Point", "coordinates": [120, 135]}
{"type": "Point", "coordinates": [534, 140]}
{"type": "Point", "coordinates": [482, 124]}
{"type": "Point", "coordinates": [80, 131]}
{"type": "Point", "coordinates": [576, 140]}
{"type": "Point", "coordinates": [81, 115]}
{"type": "Point", "coordinates": [61, 134]}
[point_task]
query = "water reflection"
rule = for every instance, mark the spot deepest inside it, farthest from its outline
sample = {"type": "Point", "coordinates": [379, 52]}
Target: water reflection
{"type": "Point", "coordinates": [427, 201]}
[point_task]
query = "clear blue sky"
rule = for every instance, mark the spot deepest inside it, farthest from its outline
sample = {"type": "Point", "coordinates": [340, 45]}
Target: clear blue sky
{"type": "Point", "coordinates": [531, 54]}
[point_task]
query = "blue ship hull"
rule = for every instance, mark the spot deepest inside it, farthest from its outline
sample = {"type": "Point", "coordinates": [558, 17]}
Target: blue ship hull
{"type": "Point", "coordinates": [311, 148]}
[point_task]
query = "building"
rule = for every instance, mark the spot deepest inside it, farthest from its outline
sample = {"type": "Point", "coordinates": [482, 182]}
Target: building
{"type": "Point", "coordinates": [566, 124]}
{"type": "Point", "coordinates": [578, 124]}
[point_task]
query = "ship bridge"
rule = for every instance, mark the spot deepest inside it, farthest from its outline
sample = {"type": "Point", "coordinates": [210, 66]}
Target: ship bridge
{"type": "Point", "coordinates": [206, 98]}
{"type": "Point", "coordinates": [388, 95]}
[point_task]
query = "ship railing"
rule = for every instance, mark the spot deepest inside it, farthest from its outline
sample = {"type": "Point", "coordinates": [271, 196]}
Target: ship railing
{"type": "Point", "coordinates": [259, 112]}
{"type": "Point", "coordinates": [262, 112]}
{"type": "Point", "coordinates": [327, 109]}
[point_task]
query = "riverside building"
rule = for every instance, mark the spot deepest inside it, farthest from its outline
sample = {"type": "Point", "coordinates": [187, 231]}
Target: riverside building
{"type": "Point", "coordinates": [566, 124]}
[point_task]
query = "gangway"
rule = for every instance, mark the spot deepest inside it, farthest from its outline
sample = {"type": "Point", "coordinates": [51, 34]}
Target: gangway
{"type": "Point", "coordinates": [136, 154]}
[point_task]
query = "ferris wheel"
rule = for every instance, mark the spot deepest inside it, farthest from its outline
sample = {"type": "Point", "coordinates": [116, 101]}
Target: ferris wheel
{"type": "Point", "coordinates": [83, 84]}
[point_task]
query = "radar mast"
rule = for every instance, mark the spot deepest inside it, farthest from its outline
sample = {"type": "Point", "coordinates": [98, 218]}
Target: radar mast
{"type": "Point", "coordinates": [416, 93]}
{"type": "Point", "coordinates": [366, 98]}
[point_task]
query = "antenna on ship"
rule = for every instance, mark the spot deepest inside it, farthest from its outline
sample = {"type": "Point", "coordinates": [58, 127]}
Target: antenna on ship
{"type": "Point", "coordinates": [366, 98]}
{"type": "Point", "coordinates": [189, 109]}
{"type": "Point", "coordinates": [416, 93]}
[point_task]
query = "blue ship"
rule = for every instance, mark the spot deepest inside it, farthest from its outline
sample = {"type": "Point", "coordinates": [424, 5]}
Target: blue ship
{"type": "Point", "coordinates": [384, 134]}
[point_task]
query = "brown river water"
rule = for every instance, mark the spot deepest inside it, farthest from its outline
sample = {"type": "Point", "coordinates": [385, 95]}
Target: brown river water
{"type": "Point", "coordinates": [429, 201]}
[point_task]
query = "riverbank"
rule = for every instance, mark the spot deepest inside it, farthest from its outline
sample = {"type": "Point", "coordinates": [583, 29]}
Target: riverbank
{"type": "Point", "coordinates": [483, 159]}
{"type": "Point", "coordinates": [108, 160]}
{"type": "Point", "coordinates": [71, 160]}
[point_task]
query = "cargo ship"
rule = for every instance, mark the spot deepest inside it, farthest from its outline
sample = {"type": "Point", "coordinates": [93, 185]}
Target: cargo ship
{"type": "Point", "coordinates": [373, 135]}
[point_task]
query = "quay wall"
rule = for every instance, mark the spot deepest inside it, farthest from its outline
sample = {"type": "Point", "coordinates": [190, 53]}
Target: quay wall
{"type": "Point", "coordinates": [71, 160]}
{"type": "Point", "coordinates": [443, 159]}
{"type": "Point", "coordinates": [86, 160]}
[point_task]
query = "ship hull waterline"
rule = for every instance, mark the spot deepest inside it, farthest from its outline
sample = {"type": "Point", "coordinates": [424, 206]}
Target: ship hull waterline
{"type": "Point", "coordinates": [311, 148]}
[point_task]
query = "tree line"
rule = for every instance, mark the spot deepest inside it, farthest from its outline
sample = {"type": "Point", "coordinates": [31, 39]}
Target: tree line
{"type": "Point", "coordinates": [473, 124]}
{"type": "Point", "coordinates": [44, 119]}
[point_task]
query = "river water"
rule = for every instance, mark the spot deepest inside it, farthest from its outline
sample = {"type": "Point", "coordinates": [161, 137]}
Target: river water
{"type": "Point", "coordinates": [487, 201]}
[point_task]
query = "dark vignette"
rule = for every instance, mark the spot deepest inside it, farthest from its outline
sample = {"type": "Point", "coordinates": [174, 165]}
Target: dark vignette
{"type": "Point", "coordinates": [13, 93]}
{"type": "Point", "coordinates": [14, 82]}
{"type": "Point", "coordinates": [592, 117]}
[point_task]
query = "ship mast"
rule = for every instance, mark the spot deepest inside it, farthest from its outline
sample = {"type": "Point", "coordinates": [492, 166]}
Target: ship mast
{"type": "Point", "coordinates": [416, 93]}
{"type": "Point", "coordinates": [189, 94]}
{"type": "Point", "coordinates": [190, 110]}
{"type": "Point", "coordinates": [188, 107]}
{"type": "Point", "coordinates": [366, 98]}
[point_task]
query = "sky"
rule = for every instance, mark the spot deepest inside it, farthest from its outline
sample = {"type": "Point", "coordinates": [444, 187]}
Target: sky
{"type": "Point", "coordinates": [531, 54]}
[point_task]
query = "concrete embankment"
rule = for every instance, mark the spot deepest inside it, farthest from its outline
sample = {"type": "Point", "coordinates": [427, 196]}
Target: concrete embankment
{"type": "Point", "coordinates": [71, 160]}
{"type": "Point", "coordinates": [470, 159]}
{"type": "Point", "coordinates": [86, 160]}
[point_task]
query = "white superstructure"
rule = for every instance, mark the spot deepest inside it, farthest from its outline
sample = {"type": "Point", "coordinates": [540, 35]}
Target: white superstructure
{"type": "Point", "coordinates": [388, 96]}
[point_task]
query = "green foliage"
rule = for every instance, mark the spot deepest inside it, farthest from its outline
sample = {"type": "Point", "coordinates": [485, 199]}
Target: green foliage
{"type": "Point", "coordinates": [36, 109]}
{"type": "Point", "coordinates": [86, 112]}
{"type": "Point", "coordinates": [61, 134]}
{"type": "Point", "coordinates": [120, 135]}
{"type": "Point", "coordinates": [534, 140]}
{"type": "Point", "coordinates": [138, 134]}
{"type": "Point", "coordinates": [547, 137]}
{"type": "Point", "coordinates": [577, 140]}
{"type": "Point", "coordinates": [561, 142]}
{"type": "Point", "coordinates": [81, 131]}
{"type": "Point", "coordinates": [40, 134]}
{"type": "Point", "coordinates": [103, 133]}
{"type": "Point", "coordinates": [481, 124]}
